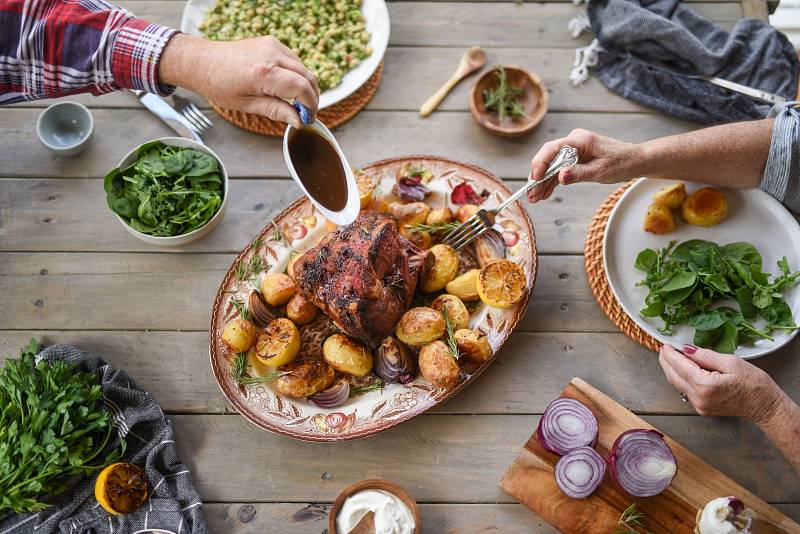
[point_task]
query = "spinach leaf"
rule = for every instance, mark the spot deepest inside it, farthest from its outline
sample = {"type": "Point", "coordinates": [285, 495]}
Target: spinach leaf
{"type": "Point", "coordinates": [647, 260]}
{"type": "Point", "coordinates": [744, 296]}
{"type": "Point", "coordinates": [727, 342]}
{"type": "Point", "coordinates": [708, 321]}
{"type": "Point", "coordinates": [743, 253]}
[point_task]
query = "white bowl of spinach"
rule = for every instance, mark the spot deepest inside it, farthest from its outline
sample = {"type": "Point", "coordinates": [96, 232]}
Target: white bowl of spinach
{"type": "Point", "coordinates": [169, 191]}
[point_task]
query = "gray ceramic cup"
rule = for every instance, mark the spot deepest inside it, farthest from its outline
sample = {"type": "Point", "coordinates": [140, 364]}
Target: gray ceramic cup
{"type": "Point", "coordinates": [65, 128]}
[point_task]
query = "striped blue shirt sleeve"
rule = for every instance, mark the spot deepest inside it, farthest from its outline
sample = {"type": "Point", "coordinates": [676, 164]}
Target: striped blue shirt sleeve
{"type": "Point", "coordinates": [782, 172]}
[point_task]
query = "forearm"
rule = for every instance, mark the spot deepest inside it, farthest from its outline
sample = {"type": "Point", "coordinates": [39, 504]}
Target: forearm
{"type": "Point", "coordinates": [731, 155]}
{"type": "Point", "coordinates": [783, 429]}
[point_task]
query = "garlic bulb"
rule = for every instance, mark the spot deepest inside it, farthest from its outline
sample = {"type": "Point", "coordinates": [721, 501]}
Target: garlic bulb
{"type": "Point", "coordinates": [725, 515]}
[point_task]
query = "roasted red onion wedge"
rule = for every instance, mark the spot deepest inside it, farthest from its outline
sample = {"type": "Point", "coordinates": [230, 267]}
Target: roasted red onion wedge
{"type": "Point", "coordinates": [334, 396]}
{"type": "Point", "coordinates": [580, 472]}
{"type": "Point", "coordinates": [641, 462]}
{"type": "Point", "coordinates": [566, 424]}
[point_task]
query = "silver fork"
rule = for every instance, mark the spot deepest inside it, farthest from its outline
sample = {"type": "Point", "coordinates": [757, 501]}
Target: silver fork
{"type": "Point", "coordinates": [484, 218]}
{"type": "Point", "coordinates": [199, 122]}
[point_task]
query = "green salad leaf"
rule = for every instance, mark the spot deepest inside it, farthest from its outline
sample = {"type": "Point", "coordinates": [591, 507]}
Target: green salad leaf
{"type": "Point", "coordinates": [688, 283]}
{"type": "Point", "coordinates": [53, 426]}
{"type": "Point", "coordinates": [167, 191]}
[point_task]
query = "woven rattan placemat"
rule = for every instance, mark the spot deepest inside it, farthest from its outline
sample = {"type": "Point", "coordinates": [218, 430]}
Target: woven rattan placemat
{"type": "Point", "coordinates": [596, 273]}
{"type": "Point", "coordinates": [332, 116]}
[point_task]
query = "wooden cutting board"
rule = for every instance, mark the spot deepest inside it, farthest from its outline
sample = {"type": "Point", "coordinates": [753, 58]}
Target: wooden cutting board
{"type": "Point", "coordinates": [530, 480]}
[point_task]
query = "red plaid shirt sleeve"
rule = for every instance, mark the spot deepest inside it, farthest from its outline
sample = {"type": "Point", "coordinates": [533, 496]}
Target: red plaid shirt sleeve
{"type": "Point", "coordinates": [51, 48]}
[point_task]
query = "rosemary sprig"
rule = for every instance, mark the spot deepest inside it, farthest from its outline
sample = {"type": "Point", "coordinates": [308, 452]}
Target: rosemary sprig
{"type": "Point", "coordinates": [451, 336]}
{"type": "Point", "coordinates": [239, 373]}
{"type": "Point", "coordinates": [280, 238]}
{"type": "Point", "coordinates": [398, 283]}
{"type": "Point", "coordinates": [505, 98]}
{"type": "Point", "coordinates": [364, 231]}
{"type": "Point", "coordinates": [360, 390]}
{"type": "Point", "coordinates": [241, 307]}
{"type": "Point", "coordinates": [438, 228]}
{"type": "Point", "coordinates": [247, 270]}
{"type": "Point", "coordinates": [630, 521]}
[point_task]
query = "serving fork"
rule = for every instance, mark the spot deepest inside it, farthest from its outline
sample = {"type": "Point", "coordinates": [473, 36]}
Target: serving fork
{"type": "Point", "coordinates": [484, 219]}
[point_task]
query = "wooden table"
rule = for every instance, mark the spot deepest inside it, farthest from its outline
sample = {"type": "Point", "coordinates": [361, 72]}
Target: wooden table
{"type": "Point", "coordinates": [70, 274]}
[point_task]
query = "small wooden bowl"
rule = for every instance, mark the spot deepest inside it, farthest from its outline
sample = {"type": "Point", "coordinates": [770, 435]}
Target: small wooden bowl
{"type": "Point", "coordinates": [373, 484]}
{"type": "Point", "coordinates": [534, 99]}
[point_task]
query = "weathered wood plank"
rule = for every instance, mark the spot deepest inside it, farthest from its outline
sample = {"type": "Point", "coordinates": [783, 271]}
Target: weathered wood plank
{"type": "Point", "coordinates": [370, 136]}
{"type": "Point", "coordinates": [311, 518]}
{"type": "Point", "coordinates": [173, 366]}
{"type": "Point", "coordinates": [438, 458]}
{"type": "Point", "coordinates": [72, 215]}
{"type": "Point", "coordinates": [65, 291]}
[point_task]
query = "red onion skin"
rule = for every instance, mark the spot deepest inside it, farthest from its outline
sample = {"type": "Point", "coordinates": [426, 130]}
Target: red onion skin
{"type": "Point", "coordinates": [614, 454]}
{"type": "Point", "coordinates": [542, 438]}
{"type": "Point", "coordinates": [592, 487]}
{"type": "Point", "coordinates": [334, 396]}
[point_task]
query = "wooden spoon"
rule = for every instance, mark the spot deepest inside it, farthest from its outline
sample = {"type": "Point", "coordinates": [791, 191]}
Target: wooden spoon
{"type": "Point", "coordinates": [473, 59]}
{"type": "Point", "coordinates": [366, 525]}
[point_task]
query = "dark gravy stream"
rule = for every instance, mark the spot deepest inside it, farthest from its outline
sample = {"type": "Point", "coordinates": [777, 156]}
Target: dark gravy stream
{"type": "Point", "coordinates": [319, 168]}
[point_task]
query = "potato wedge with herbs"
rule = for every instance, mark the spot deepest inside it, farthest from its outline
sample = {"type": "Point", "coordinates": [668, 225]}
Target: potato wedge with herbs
{"type": "Point", "coordinates": [347, 355]}
{"type": "Point", "coordinates": [300, 310]}
{"type": "Point", "coordinates": [438, 366]}
{"type": "Point", "coordinates": [423, 240]}
{"type": "Point", "coordinates": [705, 207]}
{"type": "Point", "coordinates": [473, 345]}
{"type": "Point", "coordinates": [439, 215]}
{"type": "Point", "coordinates": [444, 268]}
{"type": "Point", "coordinates": [305, 379]}
{"type": "Point", "coordinates": [659, 220]}
{"type": "Point", "coordinates": [279, 343]}
{"type": "Point", "coordinates": [239, 334]}
{"type": "Point", "coordinates": [671, 197]}
{"type": "Point", "coordinates": [456, 311]}
{"type": "Point", "coordinates": [411, 213]}
{"type": "Point", "coordinates": [277, 288]}
{"type": "Point", "coordinates": [420, 326]}
{"type": "Point", "coordinates": [465, 286]}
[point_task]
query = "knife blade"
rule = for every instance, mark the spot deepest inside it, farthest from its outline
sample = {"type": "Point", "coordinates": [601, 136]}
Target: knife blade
{"type": "Point", "coordinates": [171, 117]}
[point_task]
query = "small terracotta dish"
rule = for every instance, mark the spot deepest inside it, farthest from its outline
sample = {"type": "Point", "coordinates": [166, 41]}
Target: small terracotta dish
{"type": "Point", "coordinates": [373, 484]}
{"type": "Point", "coordinates": [534, 99]}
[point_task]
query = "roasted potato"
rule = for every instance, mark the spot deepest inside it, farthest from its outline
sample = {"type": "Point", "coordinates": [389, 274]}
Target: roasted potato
{"type": "Point", "coordinates": [423, 240]}
{"type": "Point", "coordinates": [705, 207]}
{"type": "Point", "coordinates": [278, 343]}
{"type": "Point", "coordinates": [290, 265]}
{"type": "Point", "coordinates": [411, 213]}
{"type": "Point", "coordinates": [300, 310]}
{"type": "Point", "coordinates": [366, 186]}
{"type": "Point", "coordinates": [465, 286]}
{"type": "Point", "coordinates": [347, 355]}
{"type": "Point", "coordinates": [473, 345]}
{"type": "Point", "coordinates": [671, 197]}
{"type": "Point", "coordinates": [239, 334]}
{"type": "Point", "coordinates": [439, 215]}
{"type": "Point", "coordinates": [466, 211]}
{"type": "Point", "coordinates": [277, 288]}
{"type": "Point", "coordinates": [437, 365]}
{"type": "Point", "coordinates": [259, 368]}
{"type": "Point", "coordinates": [420, 326]}
{"type": "Point", "coordinates": [659, 220]}
{"type": "Point", "coordinates": [443, 270]}
{"type": "Point", "coordinates": [305, 378]}
{"type": "Point", "coordinates": [378, 204]}
{"type": "Point", "coordinates": [456, 311]}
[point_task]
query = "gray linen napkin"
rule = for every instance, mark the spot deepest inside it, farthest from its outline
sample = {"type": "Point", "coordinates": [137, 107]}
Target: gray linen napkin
{"type": "Point", "coordinates": [173, 505]}
{"type": "Point", "coordinates": [671, 34]}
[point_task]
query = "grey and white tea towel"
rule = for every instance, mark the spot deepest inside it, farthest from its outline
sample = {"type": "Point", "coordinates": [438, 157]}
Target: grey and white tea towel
{"type": "Point", "coordinates": [782, 172]}
{"type": "Point", "coordinates": [174, 504]}
{"type": "Point", "coordinates": [640, 47]}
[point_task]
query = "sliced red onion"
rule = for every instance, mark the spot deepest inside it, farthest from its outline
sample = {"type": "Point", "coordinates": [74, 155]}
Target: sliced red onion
{"type": "Point", "coordinates": [642, 463]}
{"type": "Point", "coordinates": [566, 424]}
{"type": "Point", "coordinates": [580, 472]}
{"type": "Point", "coordinates": [334, 396]}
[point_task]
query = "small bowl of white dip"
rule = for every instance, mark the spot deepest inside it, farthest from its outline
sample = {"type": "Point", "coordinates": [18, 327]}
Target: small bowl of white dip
{"type": "Point", "coordinates": [393, 510]}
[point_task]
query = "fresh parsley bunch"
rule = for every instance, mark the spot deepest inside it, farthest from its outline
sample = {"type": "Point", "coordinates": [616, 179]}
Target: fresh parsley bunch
{"type": "Point", "coordinates": [685, 281]}
{"type": "Point", "coordinates": [167, 191]}
{"type": "Point", "coordinates": [53, 426]}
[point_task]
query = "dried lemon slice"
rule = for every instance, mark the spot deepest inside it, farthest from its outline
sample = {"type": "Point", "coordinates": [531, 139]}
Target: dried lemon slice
{"type": "Point", "coordinates": [121, 488]}
{"type": "Point", "coordinates": [501, 284]}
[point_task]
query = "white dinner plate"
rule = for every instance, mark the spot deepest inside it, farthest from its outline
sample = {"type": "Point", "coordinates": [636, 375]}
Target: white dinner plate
{"type": "Point", "coordinates": [753, 216]}
{"type": "Point", "coordinates": [377, 17]}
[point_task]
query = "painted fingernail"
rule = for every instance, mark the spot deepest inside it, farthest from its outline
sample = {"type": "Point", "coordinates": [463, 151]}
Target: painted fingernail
{"type": "Point", "coordinates": [689, 349]}
{"type": "Point", "coordinates": [304, 112]}
{"type": "Point", "coordinates": [568, 177]}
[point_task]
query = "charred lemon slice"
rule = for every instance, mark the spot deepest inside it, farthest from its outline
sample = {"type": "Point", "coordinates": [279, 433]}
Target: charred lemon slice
{"type": "Point", "coordinates": [501, 284]}
{"type": "Point", "coordinates": [365, 188]}
{"type": "Point", "coordinates": [121, 488]}
{"type": "Point", "coordinates": [278, 343]}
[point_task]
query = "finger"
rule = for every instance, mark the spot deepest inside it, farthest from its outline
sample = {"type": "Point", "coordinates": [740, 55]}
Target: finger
{"type": "Point", "coordinates": [672, 377]}
{"type": "Point", "coordinates": [295, 65]}
{"type": "Point", "coordinates": [541, 192]}
{"type": "Point", "coordinates": [710, 360]}
{"type": "Point", "coordinates": [288, 85]}
{"type": "Point", "coordinates": [273, 108]}
{"type": "Point", "coordinates": [684, 367]}
{"type": "Point", "coordinates": [541, 161]}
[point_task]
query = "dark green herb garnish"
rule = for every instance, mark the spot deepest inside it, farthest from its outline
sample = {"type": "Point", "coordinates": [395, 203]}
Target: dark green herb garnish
{"type": "Point", "coordinates": [451, 336]}
{"type": "Point", "coordinates": [631, 521]}
{"type": "Point", "coordinates": [239, 372]}
{"type": "Point", "coordinates": [684, 282]}
{"type": "Point", "coordinates": [241, 307]}
{"type": "Point", "coordinates": [360, 390]}
{"type": "Point", "coordinates": [438, 228]}
{"type": "Point", "coordinates": [167, 191]}
{"type": "Point", "coordinates": [53, 426]}
{"type": "Point", "coordinates": [504, 99]}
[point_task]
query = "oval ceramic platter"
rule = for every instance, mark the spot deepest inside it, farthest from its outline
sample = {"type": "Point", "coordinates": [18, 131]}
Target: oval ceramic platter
{"type": "Point", "coordinates": [377, 24]}
{"type": "Point", "coordinates": [298, 228]}
{"type": "Point", "coordinates": [753, 216]}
